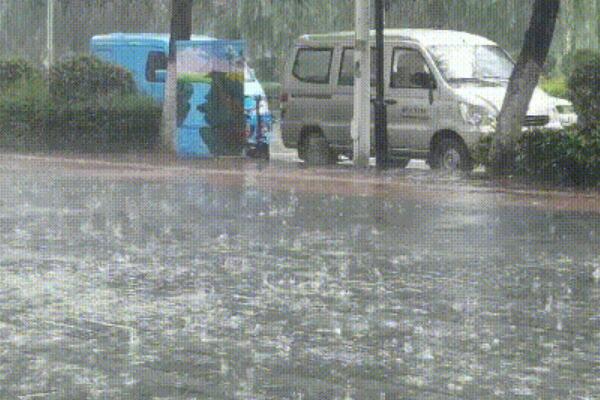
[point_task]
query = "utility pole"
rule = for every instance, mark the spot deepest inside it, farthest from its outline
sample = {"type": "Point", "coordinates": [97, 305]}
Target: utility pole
{"type": "Point", "coordinates": [361, 122]}
{"type": "Point", "coordinates": [50, 32]}
{"type": "Point", "coordinates": [181, 29]}
{"type": "Point", "coordinates": [381, 140]}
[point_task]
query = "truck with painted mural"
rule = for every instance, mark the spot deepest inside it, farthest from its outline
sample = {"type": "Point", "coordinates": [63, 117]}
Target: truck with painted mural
{"type": "Point", "coordinates": [210, 101]}
{"type": "Point", "coordinates": [145, 55]}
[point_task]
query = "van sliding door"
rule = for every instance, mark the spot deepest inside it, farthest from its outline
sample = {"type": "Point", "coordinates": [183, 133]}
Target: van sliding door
{"type": "Point", "coordinates": [409, 109]}
{"type": "Point", "coordinates": [343, 98]}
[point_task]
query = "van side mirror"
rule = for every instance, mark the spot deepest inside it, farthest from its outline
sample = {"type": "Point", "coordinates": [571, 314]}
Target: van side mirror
{"type": "Point", "coordinates": [423, 80]}
{"type": "Point", "coordinates": [160, 75]}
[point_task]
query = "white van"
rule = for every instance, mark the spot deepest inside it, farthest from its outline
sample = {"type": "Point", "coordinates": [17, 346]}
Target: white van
{"type": "Point", "coordinates": [444, 90]}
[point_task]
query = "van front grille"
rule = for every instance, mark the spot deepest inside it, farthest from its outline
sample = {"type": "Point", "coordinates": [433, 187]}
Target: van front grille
{"type": "Point", "coordinates": [536, 120]}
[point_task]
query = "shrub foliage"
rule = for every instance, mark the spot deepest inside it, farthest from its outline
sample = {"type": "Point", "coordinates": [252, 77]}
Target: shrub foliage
{"type": "Point", "coordinates": [89, 105]}
{"type": "Point", "coordinates": [574, 58]}
{"type": "Point", "coordinates": [566, 156]}
{"type": "Point", "coordinates": [24, 113]}
{"type": "Point", "coordinates": [556, 87]}
{"type": "Point", "coordinates": [115, 123]}
{"type": "Point", "coordinates": [85, 78]}
{"type": "Point", "coordinates": [14, 70]}
{"type": "Point", "coordinates": [584, 89]}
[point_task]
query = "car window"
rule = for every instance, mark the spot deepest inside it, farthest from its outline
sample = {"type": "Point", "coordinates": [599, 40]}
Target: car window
{"type": "Point", "coordinates": [157, 60]}
{"type": "Point", "coordinates": [313, 65]}
{"type": "Point", "coordinates": [346, 77]}
{"type": "Point", "coordinates": [406, 64]}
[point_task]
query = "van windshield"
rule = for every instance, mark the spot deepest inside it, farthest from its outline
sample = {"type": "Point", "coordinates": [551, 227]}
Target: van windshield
{"type": "Point", "coordinates": [477, 64]}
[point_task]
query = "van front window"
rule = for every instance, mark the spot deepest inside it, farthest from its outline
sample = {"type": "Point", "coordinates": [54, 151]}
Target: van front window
{"type": "Point", "coordinates": [477, 64]}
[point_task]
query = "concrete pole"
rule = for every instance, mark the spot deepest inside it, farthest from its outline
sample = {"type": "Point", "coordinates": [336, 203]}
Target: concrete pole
{"type": "Point", "coordinates": [50, 33]}
{"type": "Point", "coordinates": [361, 122]}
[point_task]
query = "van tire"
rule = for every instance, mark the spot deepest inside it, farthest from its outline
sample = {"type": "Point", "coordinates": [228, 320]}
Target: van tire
{"type": "Point", "coordinates": [317, 152]}
{"type": "Point", "coordinates": [399, 162]}
{"type": "Point", "coordinates": [451, 154]}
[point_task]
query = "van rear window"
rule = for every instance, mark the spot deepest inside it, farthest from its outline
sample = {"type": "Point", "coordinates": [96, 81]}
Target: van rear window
{"type": "Point", "coordinates": [313, 65]}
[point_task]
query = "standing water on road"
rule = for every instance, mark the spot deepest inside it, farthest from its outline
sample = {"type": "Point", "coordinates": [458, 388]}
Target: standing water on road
{"type": "Point", "coordinates": [181, 289]}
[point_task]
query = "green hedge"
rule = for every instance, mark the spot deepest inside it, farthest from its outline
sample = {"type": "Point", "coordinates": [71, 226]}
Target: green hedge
{"type": "Point", "coordinates": [102, 113]}
{"type": "Point", "coordinates": [113, 124]}
{"type": "Point", "coordinates": [24, 114]}
{"type": "Point", "coordinates": [567, 157]}
{"type": "Point", "coordinates": [574, 58]}
{"type": "Point", "coordinates": [14, 70]}
{"type": "Point", "coordinates": [584, 91]}
{"type": "Point", "coordinates": [85, 78]}
{"type": "Point", "coordinates": [556, 87]}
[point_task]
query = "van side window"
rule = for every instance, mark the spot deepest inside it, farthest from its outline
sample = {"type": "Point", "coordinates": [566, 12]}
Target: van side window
{"type": "Point", "coordinates": [406, 65]}
{"type": "Point", "coordinates": [157, 60]}
{"type": "Point", "coordinates": [313, 65]}
{"type": "Point", "coordinates": [346, 77]}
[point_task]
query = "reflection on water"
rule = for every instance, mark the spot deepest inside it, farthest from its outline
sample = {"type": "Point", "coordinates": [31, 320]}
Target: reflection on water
{"type": "Point", "coordinates": [186, 290]}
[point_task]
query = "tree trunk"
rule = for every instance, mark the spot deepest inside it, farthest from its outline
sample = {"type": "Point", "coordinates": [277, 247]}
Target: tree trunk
{"type": "Point", "coordinates": [523, 82]}
{"type": "Point", "coordinates": [181, 29]}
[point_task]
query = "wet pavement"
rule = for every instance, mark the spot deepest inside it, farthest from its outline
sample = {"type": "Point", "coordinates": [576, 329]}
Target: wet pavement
{"type": "Point", "coordinates": [195, 282]}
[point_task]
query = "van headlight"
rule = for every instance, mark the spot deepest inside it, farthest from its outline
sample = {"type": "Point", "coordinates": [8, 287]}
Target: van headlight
{"type": "Point", "coordinates": [566, 114]}
{"type": "Point", "coordinates": [477, 115]}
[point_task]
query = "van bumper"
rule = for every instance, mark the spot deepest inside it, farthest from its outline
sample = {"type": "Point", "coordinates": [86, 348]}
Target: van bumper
{"type": "Point", "coordinates": [474, 135]}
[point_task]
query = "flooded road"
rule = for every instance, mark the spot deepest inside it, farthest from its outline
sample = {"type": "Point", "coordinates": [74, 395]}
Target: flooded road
{"type": "Point", "coordinates": [204, 288]}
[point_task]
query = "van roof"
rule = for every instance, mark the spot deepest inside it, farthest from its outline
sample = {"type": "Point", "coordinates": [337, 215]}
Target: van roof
{"type": "Point", "coordinates": [426, 37]}
{"type": "Point", "coordinates": [150, 38]}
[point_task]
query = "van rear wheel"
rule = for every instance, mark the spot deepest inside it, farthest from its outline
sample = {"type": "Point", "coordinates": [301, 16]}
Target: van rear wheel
{"type": "Point", "coordinates": [318, 152]}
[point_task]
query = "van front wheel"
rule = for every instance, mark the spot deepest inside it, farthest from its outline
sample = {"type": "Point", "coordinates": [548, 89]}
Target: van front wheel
{"type": "Point", "coordinates": [451, 155]}
{"type": "Point", "coordinates": [317, 151]}
{"type": "Point", "coordinates": [399, 162]}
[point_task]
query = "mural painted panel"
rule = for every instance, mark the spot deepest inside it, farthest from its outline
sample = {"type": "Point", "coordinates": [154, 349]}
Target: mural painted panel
{"type": "Point", "coordinates": [210, 98]}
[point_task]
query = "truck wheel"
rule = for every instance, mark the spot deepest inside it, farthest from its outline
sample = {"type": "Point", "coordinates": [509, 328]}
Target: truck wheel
{"type": "Point", "coordinates": [262, 151]}
{"type": "Point", "coordinates": [317, 151]}
{"type": "Point", "coordinates": [451, 155]}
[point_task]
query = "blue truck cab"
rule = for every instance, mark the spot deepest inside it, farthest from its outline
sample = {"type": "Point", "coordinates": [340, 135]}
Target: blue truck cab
{"type": "Point", "coordinates": [145, 56]}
